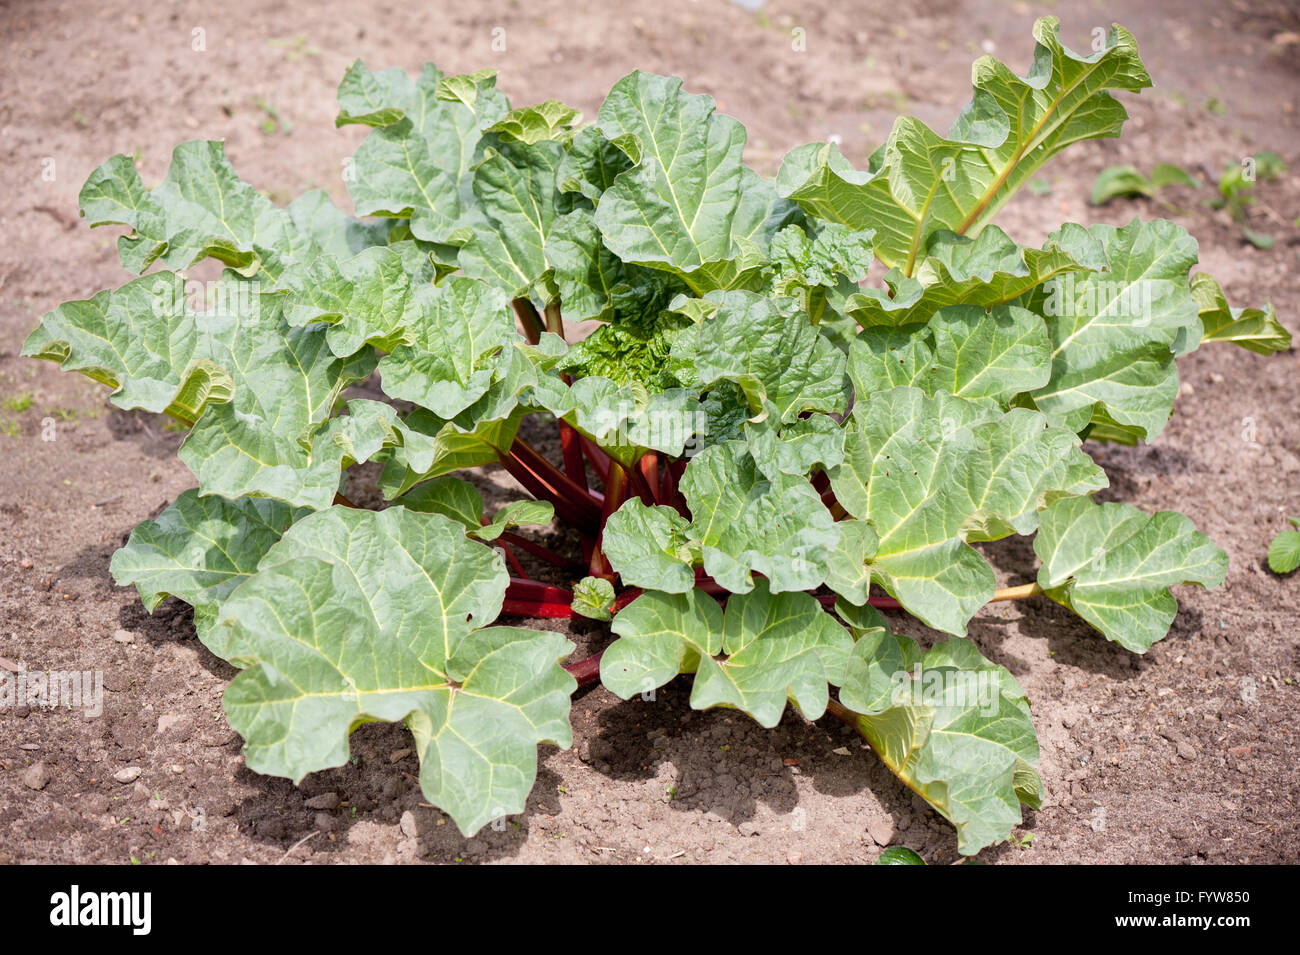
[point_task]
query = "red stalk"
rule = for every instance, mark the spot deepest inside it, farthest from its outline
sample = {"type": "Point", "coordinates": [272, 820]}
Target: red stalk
{"type": "Point", "coordinates": [574, 464]}
{"type": "Point", "coordinates": [540, 551]}
{"type": "Point", "coordinates": [529, 319]}
{"type": "Point", "coordinates": [648, 467]}
{"type": "Point", "coordinates": [587, 670]}
{"type": "Point", "coordinates": [513, 559]}
{"type": "Point", "coordinates": [615, 495]}
{"type": "Point", "coordinates": [640, 486]}
{"type": "Point", "coordinates": [583, 516]}
{"type": "Point", "coordinates": [531, 598]}
{"type": "Point", "coordinates": [598, 459]}
{"type": "Point", "coordinates": [548, 472]}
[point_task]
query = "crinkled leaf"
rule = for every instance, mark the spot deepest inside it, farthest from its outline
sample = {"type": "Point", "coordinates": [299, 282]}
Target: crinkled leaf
{"type": "Point", "coordinates": [988, 270]}
{"type": "Point", "coordinates": [1113, 565]}
{"type": "Point", "coordinates": [200, 549]}
{"type": "Point", "coordinates": [517, 199]}
{"type": "Point", "coordinates": [931, 474]}
{"type": "Point", "coordinates": [660, 636]}
{"type": "Point", "coordinates": [202, 208]}
{"type": "Point", "coordinates": [1011, 127]}
{"type": "Point", "coordinates": [591, 164]}
{"type": "Point", "coordinates": [594, 283]}
{"type": "Point", "coordinates": [778, 647]}
{"type": "Point", "coordinates": [648, 547]}
{"type": "Point", "coordinates": [357, 616]}
{"type": "Point", "coordinates": [675, 208]}
{"type": "Point", "coordinates": [532, 124]}
{"type": "Point", "coordinates": [1254, 329]}
{"type": "Point", "coordinates": [594, 597]}
{"type": "Point", "coordinates": [462, 339]}
{"type": "Point", "coordinates": [414, 168]}
{"type": "Point", "coordinates": [1284, 551]}
{"type": "Point", "coordinates": [375, 298]}
{"type": "Point", "coordinates": [747, 522]}
{"type": "Point", "coordinates": [768, 349]}
{"type": "Point", "coordinates": [1115, 332]}
{"type": "Point", "coordinates": [816, 441]}
{"type": "Point", "coordinates": [434, 446]}
{"type": "Point", "coordinates": [953, 726]}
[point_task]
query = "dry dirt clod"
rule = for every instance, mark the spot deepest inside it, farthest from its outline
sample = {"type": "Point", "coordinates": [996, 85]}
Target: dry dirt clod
{"type": "Point", "coordinates": [128, 774]}
{"type": "Point", "coordinates": [325, 801]}
{"type": "Point", "coordinates": [37, 776]}
{"type": "Point", "coordinates": [881, 831]}
{"type": "Point", "coordinates": [123, 636]}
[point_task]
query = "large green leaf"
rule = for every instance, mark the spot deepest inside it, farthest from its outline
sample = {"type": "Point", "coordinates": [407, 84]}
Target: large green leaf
{"type": "Point", "coordinates": [778, 647]}
{"type": "Point", "coordinates": [257, 391]}
{"type": "Point", "coordinates": [745, 521]}
{"type": "Point", "coordinates": [1113, 565]}
{"type": "Point", "coordinates": [357, 616]}
{"type": "Point", "coordinates": [462, 340]}
{"type": "Point", "coordinates": [515, 185]}
{"type": "Point", "coordinates": [922, 182]}
{"type": "Point", "coordinates": [675, 207]}
{"type": "Point", "coordinates": [200, 549]}
{"type": "Point", "coordinates": [648, 547]}
{"type": "Point", "coordinates": [768, 348]}
{"type": "Point", "coordinates": [930, 474]}
{"type": "Point", "coordinates": [414, 167]}
{"type": "Point", "coordinates": [952, 726]}
{"type": "Point", "coordinates": [200, 209]}
{"type": "Point", "coordinates": [376, 297]}
{"type": "Point", "coordinates": [1115, 331]}
{"type": "Point", "coordinates": [964, 350]}
{"type": "Point", "coordinates": [434, 446]}
{"type": "Point", "coordinates": [988, 270]}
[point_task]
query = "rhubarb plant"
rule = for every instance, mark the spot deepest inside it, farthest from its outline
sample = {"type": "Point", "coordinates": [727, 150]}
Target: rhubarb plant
{"type": "Point", "coordinates": [764, 460]}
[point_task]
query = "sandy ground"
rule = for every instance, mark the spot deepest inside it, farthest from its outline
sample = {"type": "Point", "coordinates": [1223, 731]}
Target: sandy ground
{"type": "Point", "coordinates": [1186, 755]}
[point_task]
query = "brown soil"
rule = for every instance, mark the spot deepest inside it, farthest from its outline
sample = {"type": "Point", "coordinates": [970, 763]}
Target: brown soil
{"type": "Point", "coordinates": [1185, 755]}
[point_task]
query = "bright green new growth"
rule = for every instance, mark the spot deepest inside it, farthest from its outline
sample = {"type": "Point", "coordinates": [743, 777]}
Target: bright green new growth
{"type": "Point", "coordinates": [1284, 551]}
{"type": "Point", "coordinates": [775, 442]}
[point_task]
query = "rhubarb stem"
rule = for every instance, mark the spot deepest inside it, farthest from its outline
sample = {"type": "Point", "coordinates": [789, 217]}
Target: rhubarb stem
{"type": "Point", "coordinates": [1017, 593]}
{"type": "Point", "coordinates": [529, 319]}
{"type": "Point", "coordinates": [554, 323]}
{"type": "Point", "coordinates": [615, 495]}
{"type": "Point", "coordinates": [587, 670]}
{"type": "Point", "coordinates": [541, 552]}
{"type": "Point", "coordinates": [533, 459]}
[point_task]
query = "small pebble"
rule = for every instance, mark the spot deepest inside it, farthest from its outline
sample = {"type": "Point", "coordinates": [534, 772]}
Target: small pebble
{"type": "Point", "coordinates": [123, 636]}
{"type": "Point", "coordinates": [128, 775]}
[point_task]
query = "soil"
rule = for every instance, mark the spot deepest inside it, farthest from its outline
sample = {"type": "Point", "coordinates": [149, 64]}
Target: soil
{"type": "Point", "coordinates": [1185, 755]}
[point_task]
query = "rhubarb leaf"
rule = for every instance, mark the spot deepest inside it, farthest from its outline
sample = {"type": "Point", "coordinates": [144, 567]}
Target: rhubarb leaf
{"type": "Point", "coordinates": [953, 726]}
{"type": "Point", "coordinates": [1254, 329]}
{"type": "Point", "coordinates": [675, 207]}
{"type": "Point", "coordinates": [357, 616]}
{"type": "Point", "coordinates": [199, 550]}
{"type": "Point", "coordinates": [778, 647]}
{"type": "Point", "coordinates": [1115, 332]}
{"type": "Point", "coordinates": [770, 350]}
{"type": "Point", "coordinates": [648, 547]}
{"type": "Point", "coordinates": [1284, 550]}
{"type": "Point", "coordinates": [745, 522]}
{"type": "Point", "coordinates": [921, 182]}
{"type": "Point", "coordinates": [1113, 565]}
